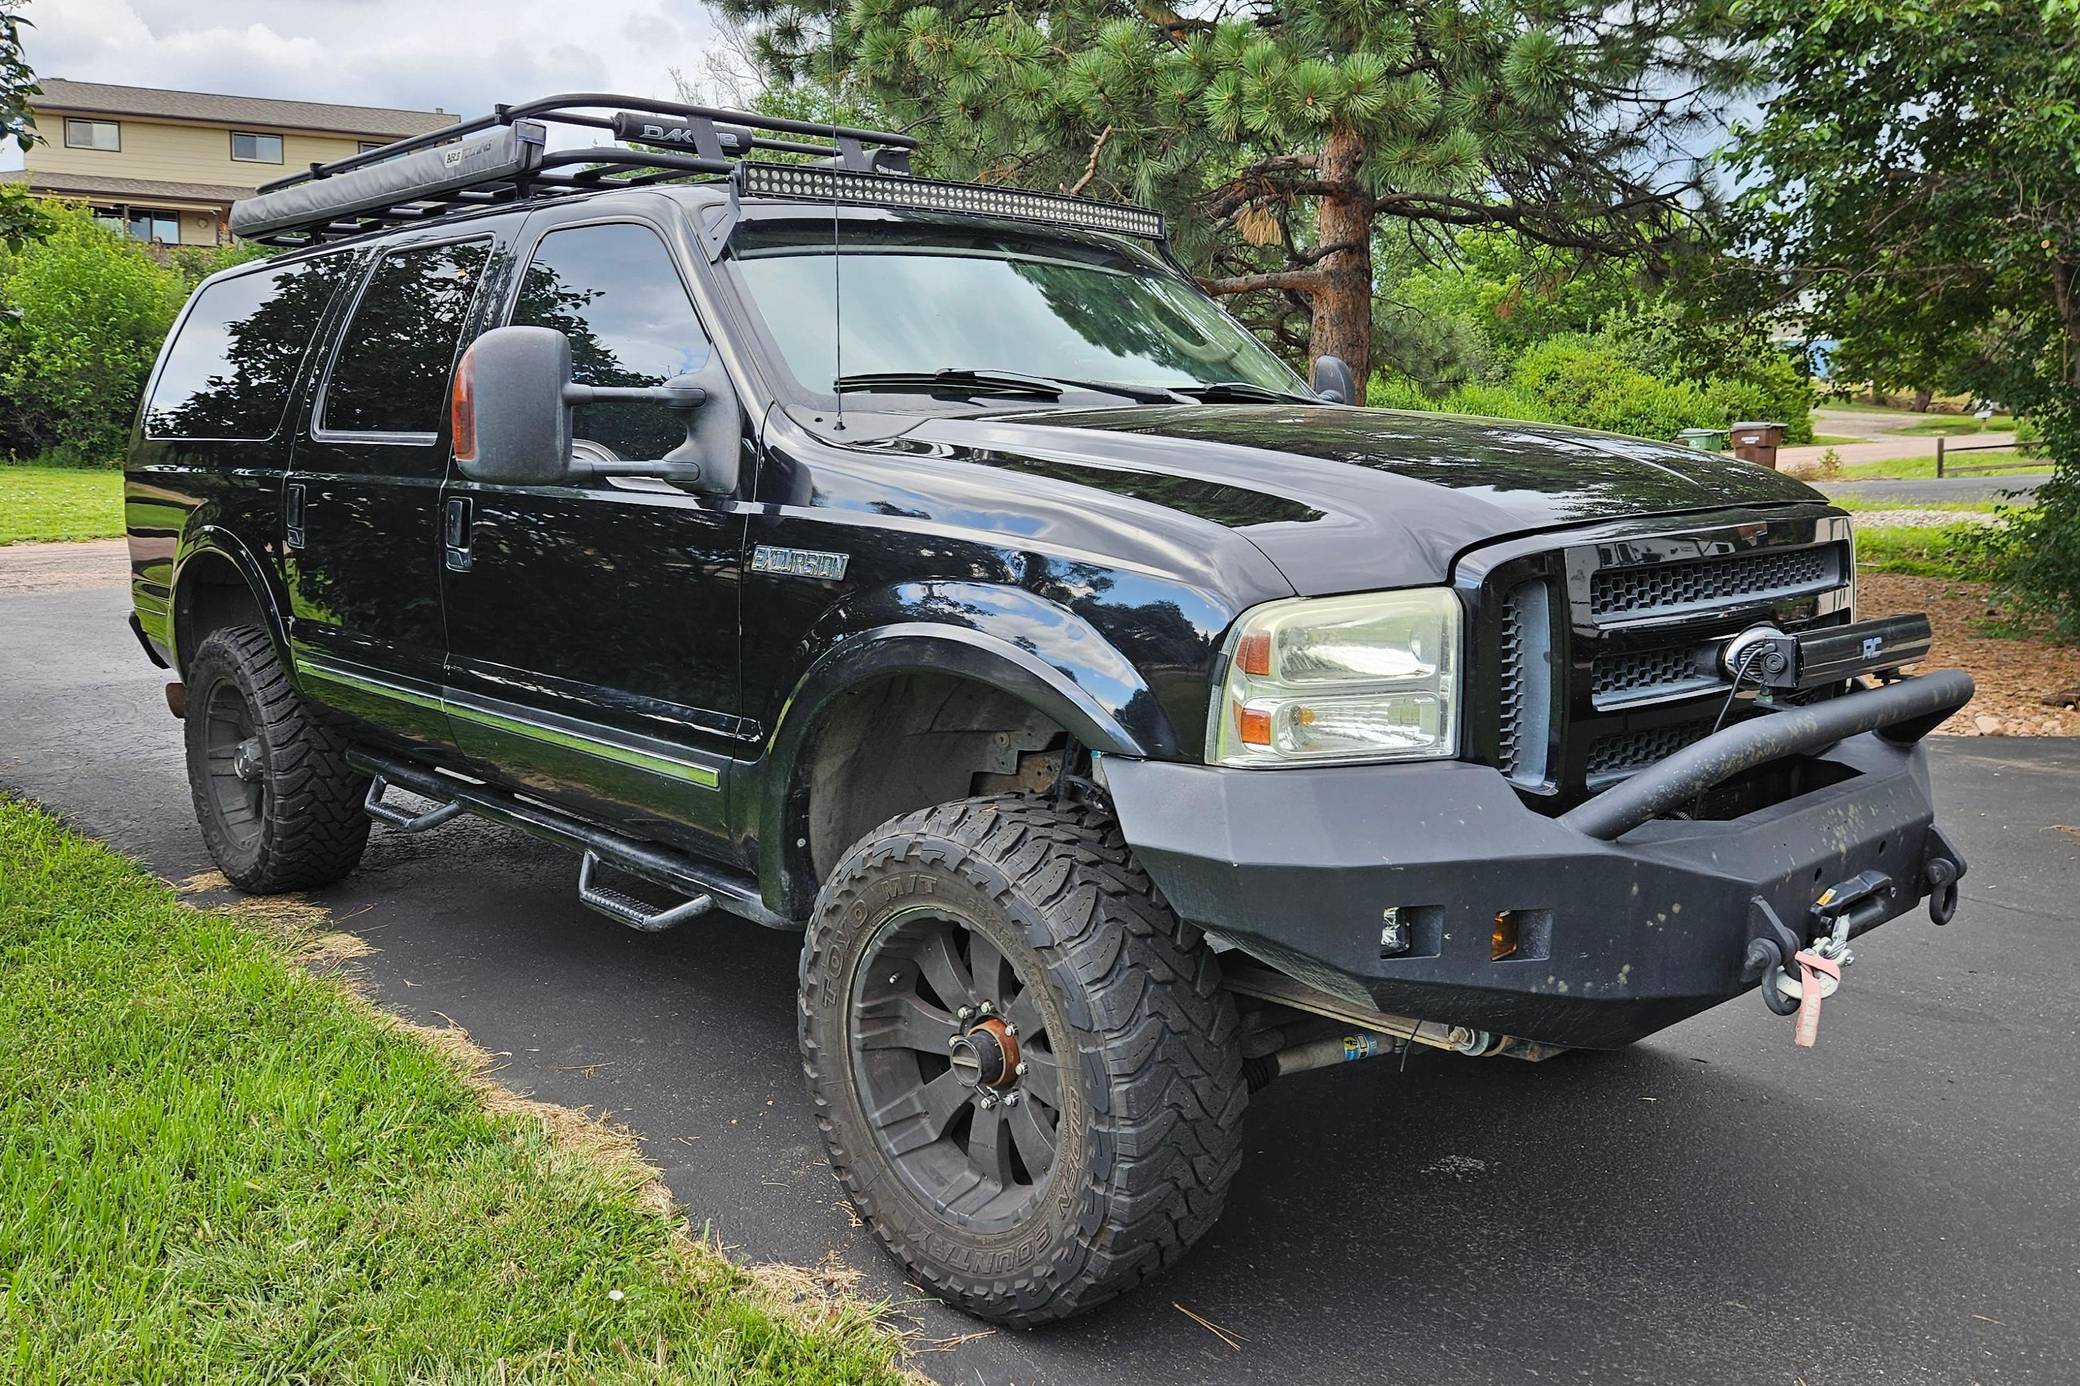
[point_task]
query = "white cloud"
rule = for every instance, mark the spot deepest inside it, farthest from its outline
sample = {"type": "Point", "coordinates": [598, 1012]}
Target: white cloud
{"type": "Point", "coordinates": [459, 55]}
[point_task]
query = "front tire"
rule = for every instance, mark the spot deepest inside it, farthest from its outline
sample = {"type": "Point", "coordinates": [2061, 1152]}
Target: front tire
{"type": "Point", "coordinates": [1025, 1067]}
{"type": "Point", "coordinates": [279, 806]}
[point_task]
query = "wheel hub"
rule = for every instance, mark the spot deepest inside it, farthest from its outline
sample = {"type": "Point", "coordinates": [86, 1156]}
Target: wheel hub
{"type": "Point", "coordinates": [247, 765]}
{"type": "Point", "coordinates": [987, 1055]}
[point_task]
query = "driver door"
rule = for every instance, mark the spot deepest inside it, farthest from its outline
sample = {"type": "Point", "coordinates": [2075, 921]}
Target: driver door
{"type": "Point", "coordinates": [593, 626]}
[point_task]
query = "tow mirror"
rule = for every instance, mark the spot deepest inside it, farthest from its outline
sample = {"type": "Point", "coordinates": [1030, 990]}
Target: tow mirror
{"type": "Point", "coordinates": [1332, 380]}
{"type": "Point", "coordinates": [512, 403]}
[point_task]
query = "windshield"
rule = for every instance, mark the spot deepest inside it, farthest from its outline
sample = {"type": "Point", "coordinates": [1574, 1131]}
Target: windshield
{"type": "Point", "coordinates": [923, 298]}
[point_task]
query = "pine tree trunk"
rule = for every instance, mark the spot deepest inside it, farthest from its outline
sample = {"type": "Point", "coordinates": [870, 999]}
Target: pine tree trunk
{"type": "Point", "coordinates": [1342, 305]}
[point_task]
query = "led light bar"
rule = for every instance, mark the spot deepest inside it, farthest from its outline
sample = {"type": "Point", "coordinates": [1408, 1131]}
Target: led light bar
{"type": "Point", "coordinates": [811, 184]}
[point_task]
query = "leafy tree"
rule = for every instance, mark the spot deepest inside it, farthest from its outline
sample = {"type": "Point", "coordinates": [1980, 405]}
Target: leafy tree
{"type": "Point", "coordinates": [19, 220]}
{"type": "Point", "coordinates": [82, 314]}
{"type": "Point", "coordinates": [1917, 180]}
{"type": "Point", "coordinates": [1286, 137]}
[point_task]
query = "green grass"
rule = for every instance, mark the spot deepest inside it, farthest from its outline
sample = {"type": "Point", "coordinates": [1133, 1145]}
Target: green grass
{"type": "Point", "coordinates": [1922, 552]}
{"type": "Point", "coordinates": [218, 1166]}
{"type": "Point", "coordinates": [1833, 440]}
{"type": "Point", "coordinates": [1914, 468]}
{"type": "Point", "coordinates": [1951, 426]}
{"type": "Point", "coordinates": [54, 503]}
{"type": "Point", "coordinates": [1854, 504]}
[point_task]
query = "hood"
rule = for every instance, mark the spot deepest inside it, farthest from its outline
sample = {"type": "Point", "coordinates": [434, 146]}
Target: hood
{"type": "Point", "coordinates": [1347, 499]}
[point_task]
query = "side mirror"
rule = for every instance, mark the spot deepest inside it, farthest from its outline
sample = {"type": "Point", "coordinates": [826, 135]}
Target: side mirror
{"type": "Point", "coordinates": [512, 405]}
{"type": "Point", "coordinates": [1332, 380]}
{"type": "Point", "coordinates": [511, 425]}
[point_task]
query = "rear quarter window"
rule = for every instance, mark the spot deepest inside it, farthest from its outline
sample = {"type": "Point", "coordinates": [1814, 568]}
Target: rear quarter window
{"type": "Point", "coordinates": [230, 367]}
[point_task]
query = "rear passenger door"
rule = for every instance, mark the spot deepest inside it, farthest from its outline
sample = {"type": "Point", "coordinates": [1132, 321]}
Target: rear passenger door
{"type": "Point", "coordinates": [361, 513]}
{"type": "Point", "coordinates": [592, 627]}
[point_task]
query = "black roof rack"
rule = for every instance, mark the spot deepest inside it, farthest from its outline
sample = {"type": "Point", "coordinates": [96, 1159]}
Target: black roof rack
{"type": "Point", "coordinates": [504, 157]}
{"type": "Point", "coordinates": [457, 167]}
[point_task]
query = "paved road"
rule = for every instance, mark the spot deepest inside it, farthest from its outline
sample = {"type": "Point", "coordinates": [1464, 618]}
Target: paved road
{"type": "Point", "coordinates": [1898, 1206]}
{"type": "Point", "coordinates": [1938, 489]}
{"type": "Point", "coordinates": [1889, 448]}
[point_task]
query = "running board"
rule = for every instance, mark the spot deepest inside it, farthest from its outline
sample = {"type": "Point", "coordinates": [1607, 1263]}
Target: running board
{"type": "Point", "coordinates": [704, 886]}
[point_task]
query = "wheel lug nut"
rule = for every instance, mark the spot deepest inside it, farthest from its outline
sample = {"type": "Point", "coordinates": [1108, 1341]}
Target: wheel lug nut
{"type": "Point", "coordinates": [984, 1007]}
{"type": "Point", "coordinates": [953, 1041]}
{"type": "Point", "coordinates": [1021, 1069]}
{"type": "Point", "coordinates": [894, 978]}
{"type": "Point", "coordinates": [964, 1013]}
{"type": "Point", "coordinates": [988, 1102]}
{"type": "Point", "coordinates": [1009, 1028]}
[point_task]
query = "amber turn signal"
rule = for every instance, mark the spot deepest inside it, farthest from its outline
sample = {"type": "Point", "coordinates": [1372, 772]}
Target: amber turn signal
{"type": "Point", "coordinates": [1253, 653]}
{"type": "Point", "coordinates": [1503, 942]}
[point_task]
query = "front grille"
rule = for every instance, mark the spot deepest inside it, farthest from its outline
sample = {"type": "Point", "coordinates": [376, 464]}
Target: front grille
{"type": "Point", "coordinates": [1624, 752]}
{"type": "Point", "coordinates": [1606, 650]}
{"type": "Point", "coordinates": [1644, 675]}
{"type": "Point", "coordinates": [1661, 587]}
{"type": "Point", "coordinates": [1525, 682]}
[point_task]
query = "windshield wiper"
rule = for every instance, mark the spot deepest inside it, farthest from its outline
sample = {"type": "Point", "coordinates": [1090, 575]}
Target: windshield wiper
{"type": "Point", "coordinates": [954, 381]}
{"type": "Point", "coordinates": [1230, 391]}
{"type": "Point", "coordinates": [961, 380]}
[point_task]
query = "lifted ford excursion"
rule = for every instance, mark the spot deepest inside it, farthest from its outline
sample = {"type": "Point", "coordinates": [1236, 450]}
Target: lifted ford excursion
{"type": "Point", "coordinates": [934, 569]}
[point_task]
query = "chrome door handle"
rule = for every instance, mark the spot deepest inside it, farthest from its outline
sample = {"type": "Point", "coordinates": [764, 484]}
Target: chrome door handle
{"type": "Point", "coordinates": [458, 534]}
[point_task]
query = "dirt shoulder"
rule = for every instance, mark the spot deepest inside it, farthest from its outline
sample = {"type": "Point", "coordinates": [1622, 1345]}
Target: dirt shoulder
{"type": "Point", "coordinates": [64, 567]}
{"type": "Point", "coordinates": [2015, 677]}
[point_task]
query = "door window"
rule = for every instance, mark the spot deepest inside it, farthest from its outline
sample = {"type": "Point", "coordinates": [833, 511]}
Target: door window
{"type": "Point", "coordinates": [391, 374]}
{"type": "Point", "coordinates": [228, 372]}
{"type": "Point", "coordinates": [613, 290]}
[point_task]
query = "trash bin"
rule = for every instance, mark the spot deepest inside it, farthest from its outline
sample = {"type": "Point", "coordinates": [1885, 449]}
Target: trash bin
{"type": "Point", "coordinates": [1704, 439]}
{"type": "Point", "coordinates": [1758, 443]}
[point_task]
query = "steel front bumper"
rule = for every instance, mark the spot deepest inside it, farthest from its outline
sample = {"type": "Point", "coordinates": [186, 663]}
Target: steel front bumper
{"type": "Point", "coordinates": [1624, 922]}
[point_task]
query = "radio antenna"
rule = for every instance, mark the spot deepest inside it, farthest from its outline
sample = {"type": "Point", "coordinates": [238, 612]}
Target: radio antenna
{"type": "Point", "coordinates": [837, 255]}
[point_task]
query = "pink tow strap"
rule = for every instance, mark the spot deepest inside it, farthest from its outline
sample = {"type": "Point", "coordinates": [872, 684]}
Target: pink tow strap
{"type": "Point", "coordinates": [1810, 968]}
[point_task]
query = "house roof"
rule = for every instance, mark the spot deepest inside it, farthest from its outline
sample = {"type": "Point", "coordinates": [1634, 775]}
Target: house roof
{"type": "Point", "coordinates": [101, 98]}
{"type": "Point", "coordinates": [123, 189]}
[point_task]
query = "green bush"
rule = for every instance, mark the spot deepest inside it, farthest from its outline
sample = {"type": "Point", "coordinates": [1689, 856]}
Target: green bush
{"type": "Point", "coordinates": [1396, 392]}
{"type": "Point", "coordinates": [1499, 402]}
{"type": "Point", "coordinates": [82, 314]}
{"type": "Point", "coordinates": [1581, 380]}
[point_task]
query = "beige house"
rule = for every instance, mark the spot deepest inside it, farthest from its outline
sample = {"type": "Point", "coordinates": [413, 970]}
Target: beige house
{"type": "Point", "coordinates": [165, 166]}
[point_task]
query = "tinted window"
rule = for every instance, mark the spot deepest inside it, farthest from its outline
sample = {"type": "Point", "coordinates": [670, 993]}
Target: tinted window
{"type": "Point", "coordinates": [228, 373]}
{"type": "Point", "coordinates": [391, 374]}
{"type": "Point", "coordinates": [613, 291]}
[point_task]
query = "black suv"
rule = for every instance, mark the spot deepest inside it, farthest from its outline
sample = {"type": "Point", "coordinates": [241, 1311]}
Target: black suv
{"type": "Point", "coordinates": [935, 569]}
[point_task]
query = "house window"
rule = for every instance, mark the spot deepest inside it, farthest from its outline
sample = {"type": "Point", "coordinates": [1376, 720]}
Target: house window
{"type": "Point", "coordinates": [371, 146]}
{"type": "Point", "coordinates": [256, 149]}
{"type": "Point", "coordinates": [104, 135]}
{"type": "Point", "coordinates": [152, 224]}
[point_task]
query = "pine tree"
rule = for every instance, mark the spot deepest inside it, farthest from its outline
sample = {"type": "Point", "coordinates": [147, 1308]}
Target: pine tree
{"type": "Point", "coordinates": [1282, 136]}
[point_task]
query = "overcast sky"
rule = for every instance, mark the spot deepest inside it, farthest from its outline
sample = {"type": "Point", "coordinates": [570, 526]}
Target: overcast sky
{"type": "Point", "coordinates": [461, 55]}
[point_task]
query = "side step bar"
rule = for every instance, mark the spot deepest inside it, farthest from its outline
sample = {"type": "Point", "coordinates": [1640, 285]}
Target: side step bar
{"type": "Point", "coordinates": [704, 886]}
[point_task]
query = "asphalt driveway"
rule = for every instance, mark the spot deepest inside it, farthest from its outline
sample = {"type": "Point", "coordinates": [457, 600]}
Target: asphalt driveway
{"type": "Point", "coordinates": [1898, 1206]}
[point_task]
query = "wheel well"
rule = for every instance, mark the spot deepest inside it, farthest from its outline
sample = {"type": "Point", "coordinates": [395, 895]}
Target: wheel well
{"type": "Point", "coordinates": [908, 741]}
{"type": "Point", "coordinates": [213, 594]}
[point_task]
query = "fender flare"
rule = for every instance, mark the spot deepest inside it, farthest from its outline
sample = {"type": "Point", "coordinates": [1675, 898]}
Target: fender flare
{"type": "Point", "coordinates": [1102, 701]}
{"type": "Point", "coordinates": [218, 545]}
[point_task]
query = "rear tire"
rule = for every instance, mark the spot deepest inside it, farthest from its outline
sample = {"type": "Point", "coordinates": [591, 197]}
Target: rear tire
{"type": "Point", "coordinates": [1022, 1196]}
{"type": "Point", "coordinates": [279, 806]}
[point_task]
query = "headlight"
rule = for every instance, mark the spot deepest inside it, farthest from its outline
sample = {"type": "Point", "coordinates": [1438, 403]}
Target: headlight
{"type": "Point", "coordinates": [1336, 680]}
